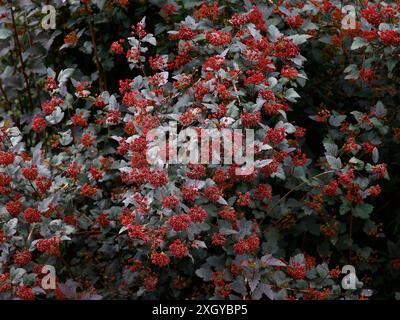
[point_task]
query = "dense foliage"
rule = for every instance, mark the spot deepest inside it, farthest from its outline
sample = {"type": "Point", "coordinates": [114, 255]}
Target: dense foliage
{"type": "Point", "coordinates": [320, 88]}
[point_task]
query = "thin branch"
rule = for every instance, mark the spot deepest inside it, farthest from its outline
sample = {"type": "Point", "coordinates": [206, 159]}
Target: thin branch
{"type": "Point", "coordinates": [350, 235]}
{"type": "Point", "coordinates": [297, 187]}
{"type": "Point", "coordinates": [31, 232]}
{"type": "Point", "coordinates": [102, 79]}
{"type": "Point", "coordinates": [19, 52]}
{"type": "Point", "coordinates": [236, 90]}
{"type": "Point", "coordinates": [5, 95]}
{"type": "Point", "coordinates": [31, 44]}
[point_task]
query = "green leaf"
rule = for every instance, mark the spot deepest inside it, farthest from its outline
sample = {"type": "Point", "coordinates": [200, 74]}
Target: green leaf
{"type": "Point", "coordinates": [56, 116]}
{"type": "Point", "coordinates": [375, 155]}
{"type": "Point", "coordinates": [10, 227]}
{"type": "Point", "coordinates": [266, 289]}
{"type": "Point", "coordinates": [344, 208]}
{"type": "Point", "coordinates": [5, 33]}
{"type": "Point", "coordinates": [65, 74]}
{"type": "Point", "coordinates": [358, 43]}
{"type": "Point", "coordinates": [380, 109]}
{"type": "Point", "coordinates": [66, 137]}
{"type": "Point", "coordinates": [357, 115]}
{"type": "Point", "coordinates": [291, 95]}
{"type": "Point", "coordinates": [363, 211]}
{"type": "Point", "coordinates": [204, 273]}
{"type": "Point", "coordinates": [299, 38]}
{"type": "Point", "coordinates": [336, 120]}
{"type": "Point", "coordinates": [331, 149]}
{"type": "Point", "coordinates": [351, 71]}
{"type": "Point", "coordinates": [150, 39]}
{"type": "Point", "coordinates": [16, 275]}
{"type": "Point", "coordinates": [322, 270]}
{"type": "Point", "coordinates": [335, 163]}
{"type": "Point", "coordinates": [274, 32]}
{"type": "Point", "coordinates": [391, 64]}
{"type": "Point", "coordinates": [358, 164]}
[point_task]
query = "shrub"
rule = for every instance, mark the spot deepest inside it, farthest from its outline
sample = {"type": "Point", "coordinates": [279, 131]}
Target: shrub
{"type": "Point", "coordinates": [78, 193]}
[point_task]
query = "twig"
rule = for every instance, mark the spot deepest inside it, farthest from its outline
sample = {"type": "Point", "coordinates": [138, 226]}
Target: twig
{"type": "Point", "coordinates": [31, 44]}
{"type": "Point", "coordinates": [31, 232]}
{"type": "Point", "coordinates": [297, 187]}
{"type": "Point", "coordinates": [5, 96]}
{"type": "Point", "coordinates": [350, 234]}
{"type": "Point", "coordinates": [19, 53]}
{"type": "Point", "coordinates": [34, 189]}
{"type": "Point", "coordinates": [236, 90]}
{"type": "Point", "coordinates": [102, 80]}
